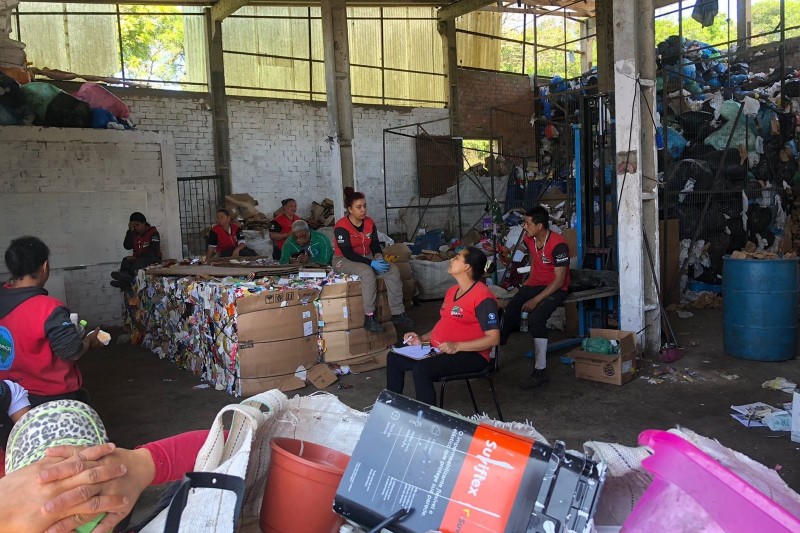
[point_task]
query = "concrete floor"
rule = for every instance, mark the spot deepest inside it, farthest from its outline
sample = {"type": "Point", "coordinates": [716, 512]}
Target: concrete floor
{"type": "Point", "coordinates": [142, 398]}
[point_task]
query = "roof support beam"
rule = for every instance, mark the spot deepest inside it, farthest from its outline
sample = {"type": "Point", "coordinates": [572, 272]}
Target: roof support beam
{"type": "Point", "coordinates": [223, 8]}
{"type": "Point", "coordinates": [462, 7]}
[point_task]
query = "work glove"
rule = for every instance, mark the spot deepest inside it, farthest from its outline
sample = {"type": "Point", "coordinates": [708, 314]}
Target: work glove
{"type": "Point", "coordinates": [380, 266]}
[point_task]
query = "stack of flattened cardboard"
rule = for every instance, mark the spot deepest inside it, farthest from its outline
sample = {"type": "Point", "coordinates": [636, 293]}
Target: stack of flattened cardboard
{"type": "Point", "coordinates": [322, 213]}
{"type": "Point", "coordinates": [277, 333]}
{"type": "Point", "coordinates": [243, 336]}
{"type": "Point", "coordinates": [344, 339]}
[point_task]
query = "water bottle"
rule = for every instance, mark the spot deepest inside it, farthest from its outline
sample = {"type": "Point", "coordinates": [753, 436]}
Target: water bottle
{"type": "Point", "coordinates": [80, 327]}
{"type": "Point", "coordinates": [523, 325]}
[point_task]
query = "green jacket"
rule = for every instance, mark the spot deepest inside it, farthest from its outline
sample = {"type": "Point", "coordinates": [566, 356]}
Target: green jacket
{"type": "Point", "coordinates": [319, 249]}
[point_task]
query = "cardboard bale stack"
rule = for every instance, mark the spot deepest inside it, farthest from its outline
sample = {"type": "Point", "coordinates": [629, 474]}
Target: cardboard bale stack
{"type": "Point", "coordinates": [277, 333]}
{"type": "Point", "coordinates": [241, 336]}
{"type": "Point", "coordinates": [344, 339]}
{"type": "Point", "coordinates": [400, 255]}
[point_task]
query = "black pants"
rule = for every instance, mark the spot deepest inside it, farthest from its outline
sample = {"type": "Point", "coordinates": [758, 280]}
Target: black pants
{"type": "Point", "coordinates": [244, 252]}
{"type": "Point", "coordinates": [537, 319]}
{"type": "Point", "coordinates": [131, 266]}
{"type": "Point", "coordinates": [82, 395]}
{"type": "Point", "coordinates": [426, 370]}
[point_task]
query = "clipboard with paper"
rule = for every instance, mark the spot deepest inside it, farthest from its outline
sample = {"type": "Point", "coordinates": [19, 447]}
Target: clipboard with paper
{"type": "Point", "coordinates": [421, 351]}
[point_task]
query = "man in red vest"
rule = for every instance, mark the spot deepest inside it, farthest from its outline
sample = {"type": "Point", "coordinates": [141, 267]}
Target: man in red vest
{"type": "Point", "coordinates": [145, 242]}
{"type": "Point", "coordinates": [543, 292]}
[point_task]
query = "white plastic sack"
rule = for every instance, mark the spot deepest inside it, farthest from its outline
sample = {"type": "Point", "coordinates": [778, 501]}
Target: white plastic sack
{"type": "Point", "coordinates": [319, 418]}
{"type": "Point", "coordinates": [432, 278]}
{"type": "Point", "coordinates": [258, 241]}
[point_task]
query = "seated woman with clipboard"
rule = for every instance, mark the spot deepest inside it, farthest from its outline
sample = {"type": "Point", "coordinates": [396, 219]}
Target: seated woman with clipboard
{"type": "Point", "coordinates": [462, 338]}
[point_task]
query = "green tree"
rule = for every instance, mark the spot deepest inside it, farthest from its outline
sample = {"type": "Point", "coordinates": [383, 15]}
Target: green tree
{"type": "Point", "coordinates": [153, 45]}
{"type": "Point", "coordinates": [550, 31]}
{"type": "Point", "coordinates": [766, 18]}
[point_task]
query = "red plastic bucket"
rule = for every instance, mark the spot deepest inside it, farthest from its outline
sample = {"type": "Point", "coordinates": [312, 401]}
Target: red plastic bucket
{"type": "Point", "coordinates": [301, 484]}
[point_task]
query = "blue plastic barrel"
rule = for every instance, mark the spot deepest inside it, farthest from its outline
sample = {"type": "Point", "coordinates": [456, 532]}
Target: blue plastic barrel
{"type": "Point", "coordinates": [760, 299]}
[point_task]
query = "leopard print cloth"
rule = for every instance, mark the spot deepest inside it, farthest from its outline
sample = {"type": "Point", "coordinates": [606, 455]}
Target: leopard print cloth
{"type": "Point", "coordinates": [62, 422]}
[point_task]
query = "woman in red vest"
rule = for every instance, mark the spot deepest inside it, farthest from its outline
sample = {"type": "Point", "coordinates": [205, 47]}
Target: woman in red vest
{"type": "Point", "coordinates": [281, 227]}
{"type": "Point", "coordinates": [39, 345]}
{"type": "Point", "coordinates": [225, 238]}
{"type": "Point", "coordinates": [356, 250]}
{"type": "Point", "coordinates": [463, 337]}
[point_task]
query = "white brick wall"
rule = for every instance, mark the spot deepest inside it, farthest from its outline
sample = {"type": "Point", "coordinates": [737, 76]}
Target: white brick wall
{"type": "Point", "coordinates": [53, 160]}
{"type": "Point", "coordinates": [187, 118]}
{"type": "Point", "coordinates": [279, 149]}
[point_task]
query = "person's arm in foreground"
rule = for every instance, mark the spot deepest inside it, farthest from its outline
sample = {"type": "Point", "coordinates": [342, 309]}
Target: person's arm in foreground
{"type": "Point", "coordinates": [25, 493]}
{"type": "Point", "coordinates": [152, 464]}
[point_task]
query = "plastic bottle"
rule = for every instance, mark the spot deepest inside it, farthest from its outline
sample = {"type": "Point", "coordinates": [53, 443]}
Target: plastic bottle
{"type": "Point", "coordinates": [523, 324]}
{"type": "Point", "coordinates": [82, 327]}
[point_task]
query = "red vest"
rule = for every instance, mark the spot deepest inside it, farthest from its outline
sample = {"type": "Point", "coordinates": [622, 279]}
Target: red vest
{"type": "Point", "coordinates": [25, 354]}
{"type": "Point", "coordinates": [226, 242]}
{"type": "Point", "coordinates": [286, 225]}
{"type": "Point", "coordinates": [543, 262]}
{"type": "Point", "coordinates": [458, 321]}
{"type": "Point", "coordinates": [360, 241]}
{"type": "Point", "coordinates": [141, 243]}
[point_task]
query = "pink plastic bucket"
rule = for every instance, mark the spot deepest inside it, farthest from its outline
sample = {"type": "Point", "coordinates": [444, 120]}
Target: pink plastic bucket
{"type": "Point", "coordinates": [685, 477]}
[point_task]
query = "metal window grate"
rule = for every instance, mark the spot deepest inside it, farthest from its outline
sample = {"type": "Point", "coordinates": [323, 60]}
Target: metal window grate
{"type": "Point", "coordinates": [198, 198]}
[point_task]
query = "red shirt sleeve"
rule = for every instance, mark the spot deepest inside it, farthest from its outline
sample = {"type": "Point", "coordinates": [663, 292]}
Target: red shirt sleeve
{"type": "Point", "coordinates": [176, 455]}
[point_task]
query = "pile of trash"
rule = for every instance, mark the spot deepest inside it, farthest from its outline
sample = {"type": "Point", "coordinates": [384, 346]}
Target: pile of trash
{"type": "Point", "coordinates": [44, 104]}
{"type": "Point", "coordinates": [322, 214]}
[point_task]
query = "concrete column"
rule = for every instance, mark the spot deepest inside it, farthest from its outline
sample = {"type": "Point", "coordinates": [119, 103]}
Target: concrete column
{"type": "Point", "coordinates": [636, 183]}
{"type": "Point", "coordinates": [340, 102]}
{"type": "Point", "coordinates": [604, 24]}
{"type": "Point", "coordinates": [647, 75]}
{"type": "Point", "coordinates": [588, 27]}
{"type": "Point", "coordinates": [219, 101]}
{"type": "Point", "coordinates": [447, 29]}
{"type": "Point", "coordinates": [743, 24]}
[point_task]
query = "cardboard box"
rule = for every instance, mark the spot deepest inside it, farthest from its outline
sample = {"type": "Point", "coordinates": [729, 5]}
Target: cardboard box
{"type": "Point", "coordinates": [374, 362]}
{"type": "Point", "coordinates": [321, 376]}
{"type": "Point", "coordinates": [274, 300]}
{"type": "Point", "coordinates": [339, 314]}
{"type": "Point", "coordinates": [283, 323]}
{"type": "Point", "coordinates": [461, 476]}
{"type": "Point", "coordinates": [367, 362]}
{"type": "Point", "coordinates": [382, 311]}
{"type": "Point", "coordinates": [341, 290]}
{"type": "Point", "coordinates": [271, 365]}
{"type": "Point", "coordinates": [615, 369]}
{"type": "Point", "coordinates": [346, 345]}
